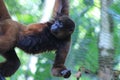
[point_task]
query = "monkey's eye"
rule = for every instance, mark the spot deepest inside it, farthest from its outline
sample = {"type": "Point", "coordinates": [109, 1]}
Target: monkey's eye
{"type": "Point", "coordinates": [58, 24]}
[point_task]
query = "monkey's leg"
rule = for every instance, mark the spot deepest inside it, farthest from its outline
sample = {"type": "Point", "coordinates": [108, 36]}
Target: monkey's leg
{"type": "Point", "coordinates": [58, 67]}
{"type": "Point", "coordinates": [11, 64]}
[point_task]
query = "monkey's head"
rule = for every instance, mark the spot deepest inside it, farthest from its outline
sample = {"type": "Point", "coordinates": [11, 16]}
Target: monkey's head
{"type": "Point", "coordinates": [63, 27]}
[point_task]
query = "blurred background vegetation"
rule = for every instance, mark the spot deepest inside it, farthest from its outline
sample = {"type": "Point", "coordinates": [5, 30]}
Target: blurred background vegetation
{"type": "Point", "coordinates": [84, 48]}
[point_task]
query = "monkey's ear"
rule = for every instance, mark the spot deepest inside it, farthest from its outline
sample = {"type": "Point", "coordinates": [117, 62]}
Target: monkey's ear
{"type": "Point", "coordinates": [50, 22]}
{"type": "Point", "coordinates": [71, 30]}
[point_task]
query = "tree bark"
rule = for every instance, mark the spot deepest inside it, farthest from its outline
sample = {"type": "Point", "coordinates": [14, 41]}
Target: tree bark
{"type": "Point", "coordinates": [106, 48]}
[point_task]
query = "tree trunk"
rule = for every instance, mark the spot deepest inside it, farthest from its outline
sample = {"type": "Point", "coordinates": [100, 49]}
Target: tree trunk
{"type": "Point", "coordinates": [49, 4]}
{"type": "Point", "coordinates": [106, 48]}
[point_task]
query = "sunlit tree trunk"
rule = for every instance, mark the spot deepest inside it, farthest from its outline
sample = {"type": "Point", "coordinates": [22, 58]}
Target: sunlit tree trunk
{"type": "Point", "coordinates": [106, 48]}
{"type": "Point", "coordinates": [49, 4]}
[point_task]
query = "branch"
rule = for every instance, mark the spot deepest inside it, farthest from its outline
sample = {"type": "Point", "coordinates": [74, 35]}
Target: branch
{"type": "Point", "coordinates": [83, 70]}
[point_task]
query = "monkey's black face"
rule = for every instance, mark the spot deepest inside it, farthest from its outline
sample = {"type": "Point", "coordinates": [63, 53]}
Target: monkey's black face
{"type": "Point", "coordinates": [63, 27]}
{"type": "Point", "coordinates": [57, 29]}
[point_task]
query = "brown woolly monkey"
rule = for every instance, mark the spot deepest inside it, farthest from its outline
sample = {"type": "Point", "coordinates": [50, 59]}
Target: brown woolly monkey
{"type": "Point", "coordinates": [38, 37]}
{"type": "Point", "coordinates": [56, 36]}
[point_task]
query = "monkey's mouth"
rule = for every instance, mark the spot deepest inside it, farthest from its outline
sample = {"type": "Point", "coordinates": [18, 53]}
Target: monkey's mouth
{"type": "Point", "coordinates": [54, 31]}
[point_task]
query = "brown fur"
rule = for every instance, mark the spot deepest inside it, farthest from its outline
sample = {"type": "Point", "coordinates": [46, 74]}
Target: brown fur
{"type": "Point", "coordinates": [9, 34]}
{"type": "Point", "coordinates": [36, 38]}
{"type": "Point", "coordinates": [61, 8]}
{"type": "Point", "coordinates": [3, 11]}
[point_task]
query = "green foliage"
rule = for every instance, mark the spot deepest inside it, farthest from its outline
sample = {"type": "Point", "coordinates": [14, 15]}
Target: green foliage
{"type": "Point", "coordinates": [25, 11]}
{"type": "Point", "coordinates": [88, 2]}
{"type": "Point", "coordinates": [2, 59]}
{"type": "Point", "coordinates": [43, 66]}
{"type": "Point", "coordinates": [115, 12]}
{"type": "Point", "coordinates": [116, 6]}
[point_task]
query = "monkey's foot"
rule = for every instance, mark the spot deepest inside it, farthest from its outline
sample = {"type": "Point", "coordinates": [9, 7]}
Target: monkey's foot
{"type": "Point", "coordinates": [60, 72]}
{"type": "Point", "coordinates": [66, 73]}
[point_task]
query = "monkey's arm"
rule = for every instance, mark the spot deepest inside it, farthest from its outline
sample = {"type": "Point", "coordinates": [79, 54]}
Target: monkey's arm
{"type": "Point", "coordinates": [3, 11]}
{"type": "Point", "coordinates": [11, 64]}
{"type": "Point", "coordinates": [61, 7]}
{"type": "Point", "coordinates": [58, 67]}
